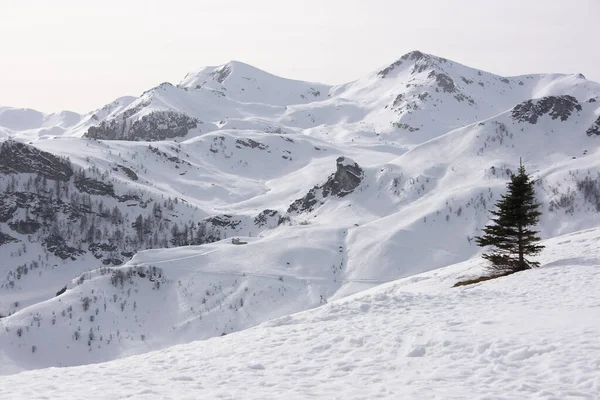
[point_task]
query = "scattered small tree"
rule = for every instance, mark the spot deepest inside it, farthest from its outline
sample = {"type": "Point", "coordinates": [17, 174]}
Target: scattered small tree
{"type": "Point", "coordinates": [510, 232]}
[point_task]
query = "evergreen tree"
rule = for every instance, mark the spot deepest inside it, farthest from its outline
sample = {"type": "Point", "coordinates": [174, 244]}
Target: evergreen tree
{"type": "Point", "coordinates": [510, 232]}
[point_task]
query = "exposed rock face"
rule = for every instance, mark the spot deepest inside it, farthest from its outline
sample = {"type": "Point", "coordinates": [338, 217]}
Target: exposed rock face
{"type": "Point", "coordinates": [443, 81]}
{"type": "Point", "coordinates": [4, 238]}
{"type": "Point", "coordinates": [25, 227]}
{"type": "Point", "coordinates": [421, 63]}
{"type": "Point", "coordinates": [269, 218]}
{"type": "Point", "coordinates": [594, 129]}
{"type": "Point", "coordinates": [347, 177]}
{"type": "Point", "coordinates": [556, 106]}
{"type": "Point", "coordinates": [406, 127]}
{"type": "Point", "coordinates": [92, 186]}
{"type": "Point", "coordinates": [158, 125]}
{"type": "Point", "coordinates": [16, 157]}
{"type": "Point", "coordinates": [56, 244]}
{"type": "Point", "coordinates": [99, 249]}
{"type": "Point", "coordinates": [251, 144]}
{"type": "Point", "coordinates": [40, 206]}
{"type": "Point", "coordinates": [221, 74]}
{"type": "Point", "coordinates": [129, 172]}
{"type": "Point", "coordinates": [98, 188]}
{"type": "Point", "coordinates": [224, 220]}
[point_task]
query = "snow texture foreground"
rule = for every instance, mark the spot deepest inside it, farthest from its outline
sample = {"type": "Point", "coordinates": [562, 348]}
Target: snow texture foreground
{"type": "Point", "coordinates": [529, 335]}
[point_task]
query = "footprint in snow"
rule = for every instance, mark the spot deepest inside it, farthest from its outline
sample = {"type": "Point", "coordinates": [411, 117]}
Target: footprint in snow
{"type": "Point", "coordinates": [417, 351]}
{"type": "Point", "coordinates": [182, 378]}
{"type": "Point", "coordinates": [256, 366]}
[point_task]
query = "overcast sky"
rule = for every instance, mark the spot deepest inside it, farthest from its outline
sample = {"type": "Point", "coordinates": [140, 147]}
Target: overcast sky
{"type": "Point", "coordinates": [79, 55]}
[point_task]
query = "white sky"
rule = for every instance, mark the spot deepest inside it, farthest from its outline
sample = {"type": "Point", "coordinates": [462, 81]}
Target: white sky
{"type": "Point", "coordinates": [80, 55]}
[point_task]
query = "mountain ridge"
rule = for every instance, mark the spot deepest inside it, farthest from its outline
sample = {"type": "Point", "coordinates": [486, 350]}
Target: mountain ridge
{"type": "Point", "coordinates": [132, 210]}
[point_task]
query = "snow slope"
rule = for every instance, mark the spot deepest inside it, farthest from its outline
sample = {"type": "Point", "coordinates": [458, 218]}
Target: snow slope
{"type": "Point", "coordinates": [233, 151]}
{"type": "Point", "coordinates": [529, 335]}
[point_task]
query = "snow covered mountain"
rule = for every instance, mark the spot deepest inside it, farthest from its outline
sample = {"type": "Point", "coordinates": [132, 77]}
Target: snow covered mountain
{"type": "Point", "coordinates": [116, 226]}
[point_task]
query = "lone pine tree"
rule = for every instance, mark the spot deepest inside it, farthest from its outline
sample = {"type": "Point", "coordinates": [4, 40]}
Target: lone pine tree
{"type": "Point", "coordinates": [510, 234]}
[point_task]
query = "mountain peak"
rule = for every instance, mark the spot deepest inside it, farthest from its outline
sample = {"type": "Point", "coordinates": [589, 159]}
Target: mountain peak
{"type": "Point", "coordinates": [421, 61]}
{"type": "Point", "coordinates": [223, 72]}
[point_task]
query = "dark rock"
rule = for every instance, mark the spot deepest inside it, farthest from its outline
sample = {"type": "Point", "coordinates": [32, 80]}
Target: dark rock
{"type": "Point", "coordinates": [8, 207]}
{"type": "Point", "coordinates": [267, 216]}
{"type": "Point", "coordinates": [421, 63]}
{"type": "Point", "coordinates": [307, 203]}
{"type": "Point", "coordinates": [16, 157]}
{"type": "Point", "coordinates": [251, 143]}
{"type": "Point", "coordinates": [113, 261]}
{"type": "Point", "coordinates": [92, 186]}
{"type": "Point", "coordinates": [97, 249]}
{"type": "Point", "coordinates": [221, 74]}
{"type": "Point", "coordinates": [158, 125]}
{"type": "Point", "coordinates": [26, 227]}
{"type": "Point", "coordinates": [398, 100]}
{"type": "Point", "coordinates": [412, 56]}
{"type": "Point", "coordinates": [443, 81]}
{"type": "Point", "coordinates": [4, 239]}
{"type": "Point", "coordinates": [556, 106]}
{"type": "Point", "coordinates": [347, 177]}
{"type": "Point", "coordinates": [129, 172]}
{"type": "Point", "coordinates": [594, 129]}
{"type": "Point", "coordinates": [42, 207]}
{"type": "Point", "coordinates": [224, 220]}
{"type": "Point", "coordinates": [61, 291]}
{"type": "Point", "coordinates": [173, 159]}
{"type": "Point", "coordinates": [56, 245]}
{"type": "Point", "coordinates": [405, 127]}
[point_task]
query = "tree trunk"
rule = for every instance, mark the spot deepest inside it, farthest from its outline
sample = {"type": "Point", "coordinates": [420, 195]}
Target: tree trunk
{"type": "Point", "coordinates": [521, 251]}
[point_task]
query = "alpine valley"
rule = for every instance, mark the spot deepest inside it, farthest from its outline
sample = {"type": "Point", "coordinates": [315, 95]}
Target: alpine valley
{"type": "Point", "coordinates": [238, 197]}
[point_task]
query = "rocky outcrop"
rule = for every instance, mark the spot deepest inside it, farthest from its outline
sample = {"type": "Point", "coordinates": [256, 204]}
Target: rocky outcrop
{"type": "Point", "coordinates": [443, 81]}
{"type": "Point", "coordinates": [39, 206]}
{"type": "Point", "coordinates": [17, 157]}
{"type": "Point", "coordinates": [94, 187]}
{"type": "Point", "coordinates": [221, 74]}
{"type": "Point", "coordinates": [421, 62]}
{"type": "Point", "coordinates": [25, 227]}
{"type": "Point", "coordinates": [269, 219]}
{"type": "Point", "coordinates": [594, 130]}
{"type": "Point", "coordinates": [56, 245]}
{"type": "Point", "coordinates": [224, 220]}
{"type": "Point", "coordinates": [347, 177]}
{"type": "Point", "coordinates": [4, 239]}
{"type": "Point", "coordinates": [250, 143]}
{"type": "Point", "coordinates": [556, 106]}
{"type": "Point", "coordinates": [158, 125]}
{"type": "Point", "coordinates": [129, 172]}
{"type": "Point", "coordinates": [99, 188]}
